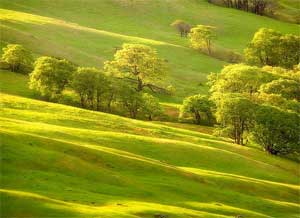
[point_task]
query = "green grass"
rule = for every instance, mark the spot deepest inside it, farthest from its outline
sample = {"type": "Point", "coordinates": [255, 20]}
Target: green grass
{"type": "Point", "coordinates": [62, 161]}
{"type": "Point", "coordinates": [289, 10]}
{"type": "Point", "coordinates": [87, 32]}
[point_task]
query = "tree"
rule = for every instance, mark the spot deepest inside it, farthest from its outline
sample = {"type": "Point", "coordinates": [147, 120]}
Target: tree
{"type": "Point", "coordinates": [277, 130]}
{"type": "Point", "coordinates": [201, 37]}
{"type": "Point", "coordinates": [239, 78]}
{"type": "Point", "coordinates": [197, 105]}
{"type": "Point", "coordinates": [182, 27]}
{"type": "Point", "coordinates": [269, 47]}
{"type": "Point", "coordinates": [235, 112]}
{"type": "Point", "coordinates": [140, 66]}
{"type": "Point", "coordinates": [84, 84]}
{"type": "Point", "coordinates": [289, 50]}
{"type": "Point", "coordinates": [18, 58]}
{"type": "Point", "coordinates": [151, 106]}
{"type": "Point", "coordinates": [50, 76]}
{"type": "Point", "coordinates": [131, 100]}
{"type": "Point", "coordinates": [103, 87]}
{"type": "Point", "coordinates": [289, 89]}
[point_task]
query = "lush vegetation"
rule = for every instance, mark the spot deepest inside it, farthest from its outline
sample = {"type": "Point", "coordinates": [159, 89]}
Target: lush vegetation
{"type": "Point", "coordinates": [80, 36]}
{"type": "Point", "coordinates": [64, 161]}
{"type": "Point", "coordinates": [124, 146]}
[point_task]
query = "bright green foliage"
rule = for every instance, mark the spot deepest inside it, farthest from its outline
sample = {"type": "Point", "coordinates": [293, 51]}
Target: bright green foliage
{"type": "Point", "coordinates": [201, 37]}
{"type": "Point", "coordinates": [49, 29]}
{"type": "Point", "coordinates": [18, 58]}
{"type": "Point", "coordinates": [277, 130]}
{"type": "Point", "coordinates": [239, 78]}
{"type": "Point", "coordinates": [62, 161]}
{"type": "Point", "coordinates": [182, 27]}
{"type": "Point", "coordinates": [235, 113]}
{"type": "Point", "coordinates": [139, 65]}
{"type": "Point", "coordinates": [199, 106]}
{"type": "Point", "coordinates": [279, 101]}
{"type": "Point", "coordinates": [50, 76]}
{"type": "Point", "coordinates": [289, 89]}
{"type": "Point", "coordinates": [151, 106]}
{"type": "Point", "coordinates": [269, 47]}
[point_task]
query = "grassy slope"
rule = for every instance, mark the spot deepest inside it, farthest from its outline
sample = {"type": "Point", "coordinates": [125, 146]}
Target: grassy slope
{"type": "Point", "coordinates": [289, 10]}
{"type": "Point", "coordinates": [88, 31]}
{"type": "Point", "coordinates": [58, 160]}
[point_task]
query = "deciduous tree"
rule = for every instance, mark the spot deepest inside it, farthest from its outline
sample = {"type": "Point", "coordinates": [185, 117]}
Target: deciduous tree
{"type": "Point", "coordinates": [182, 27]}
{"type": "Point", "coordinates": [50, 76]}
{"type": "Point", "coordinates": [140, 66]}
{"type": "Point", "coordinates": [197, 105]}
{"type": "Point", "coordinates": [151, 106]}
{"type": "Point", "coordinates": [18, 58]}
{"type": "Point", "coordinates": [201, 37]}
{"type": "Point", "coordinates": [235, 112]}
{"type": "Point", "coordinates": [277, 130]}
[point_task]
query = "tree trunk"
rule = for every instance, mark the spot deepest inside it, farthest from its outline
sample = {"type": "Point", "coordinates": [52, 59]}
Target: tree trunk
{"type": "Point", "coordinates": [197, 117]}
{"type": "Point", "coordinates": [140, 85]}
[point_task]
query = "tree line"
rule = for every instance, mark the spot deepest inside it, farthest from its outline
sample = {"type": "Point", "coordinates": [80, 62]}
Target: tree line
{"type": "Point", "coordinates": [124, 84]}
{"type": "Point", "coordinates": [259, 7]}
{"type": "Point", "coordinates": [254, 101]}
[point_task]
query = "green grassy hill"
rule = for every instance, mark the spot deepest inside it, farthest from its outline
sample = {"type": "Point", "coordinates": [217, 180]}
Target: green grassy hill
{"type": "Point", "coordinates": [87, 32]}
{"type": "Point", "coordinates": [58, 160]}
{"type": "Point", "coordinates": [63, 161]}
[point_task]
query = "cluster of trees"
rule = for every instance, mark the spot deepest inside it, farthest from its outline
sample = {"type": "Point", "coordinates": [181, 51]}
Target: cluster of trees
{"type": "Point", "coordinates": [259, 103]}
{"type": "Point", "coordinates": [125, 82]}
{"type": "Point", "coordinates": [260, 7]}
{"type": "Point", "coordinates": [269, 47]}
{"type": "Point", "coordinates": [252, 103]}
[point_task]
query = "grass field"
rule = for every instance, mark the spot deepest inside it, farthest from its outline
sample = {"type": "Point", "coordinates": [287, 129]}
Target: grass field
{"type": "Point", "coordinates": [63, 161]}
{"type": "Point", "coordinates": [87, 32]}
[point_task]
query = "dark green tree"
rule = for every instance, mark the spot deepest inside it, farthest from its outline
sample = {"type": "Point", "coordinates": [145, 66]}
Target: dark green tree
{"type": "Point", "coordinates": [236, 113]}
{"type": "Point", "coordinates": [277, 130]}
{"type": "Point", "coordinates": [197, 105]}
{"type": "Point", "coordinates": [151, 107]}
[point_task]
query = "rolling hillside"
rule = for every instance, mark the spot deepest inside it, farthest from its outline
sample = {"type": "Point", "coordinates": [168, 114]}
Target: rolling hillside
{"type": "Point", "coordinates": [61, 161]}
{"type": "Point", "coordinates": [88, 32]}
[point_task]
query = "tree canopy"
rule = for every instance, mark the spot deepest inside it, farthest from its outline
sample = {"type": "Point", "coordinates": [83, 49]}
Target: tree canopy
{"type": "Point", "coordinates": [198, 106]}
{"type": "Point", "coordinates": [51, 75]}
{"type": "Point", "coordinates": [201, 37]}
{"type": "Point", "coordinates": [140, 66]}
{"type": "Point", "coordinates": [277, 130]}
{"type": "Point", "coordinates": [235, 113]}
{"type": "Point", "coordinates": [269, 47]}
{"type": "Point", "coordinates": [239, 78]}
{"type": "Point", "coordinates": [18, 58]}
